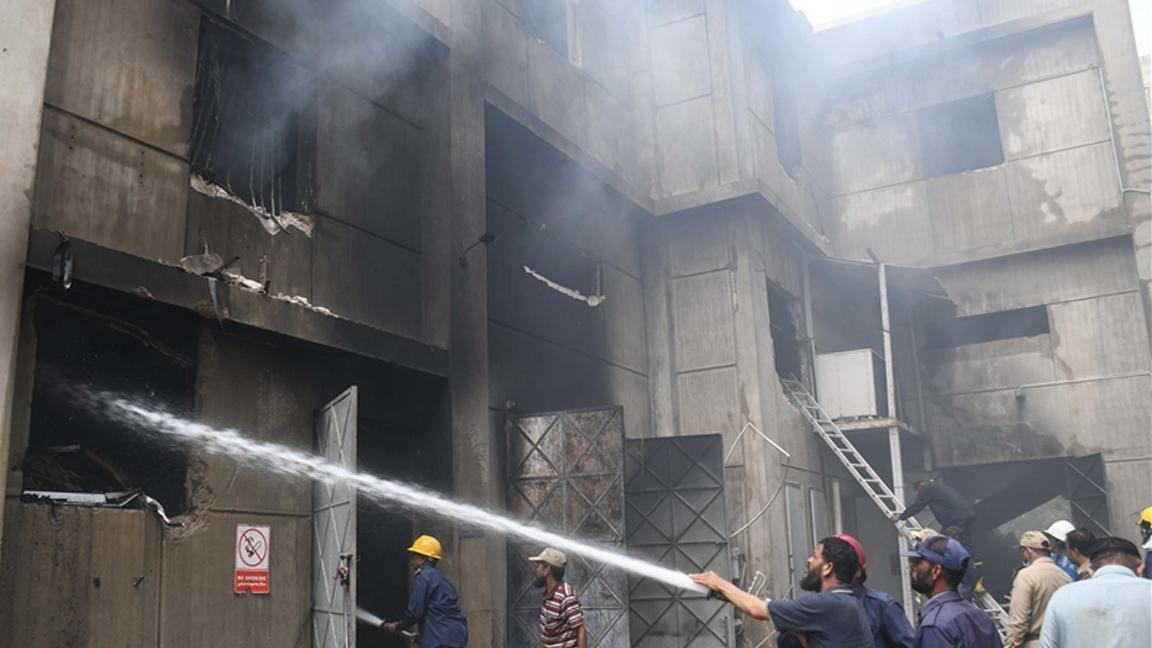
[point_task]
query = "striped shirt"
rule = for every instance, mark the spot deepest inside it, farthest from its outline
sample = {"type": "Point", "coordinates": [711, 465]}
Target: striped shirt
{"type": "Point", "coordinates": [560, 617]}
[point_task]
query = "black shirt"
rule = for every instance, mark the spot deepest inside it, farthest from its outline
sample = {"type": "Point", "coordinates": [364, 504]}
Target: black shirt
{"type": "Point", "coordinates": [830, 619]}
{"type": "Point", "coordinates": [947, 505]}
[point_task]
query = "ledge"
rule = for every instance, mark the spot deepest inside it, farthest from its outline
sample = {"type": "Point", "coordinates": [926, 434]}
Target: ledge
{"type": "Point", "coordinates": [149, 279]}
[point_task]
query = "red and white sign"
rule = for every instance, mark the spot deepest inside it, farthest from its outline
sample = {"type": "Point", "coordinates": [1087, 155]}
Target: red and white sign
{"type": "Point", "coordinates": [252, 547]}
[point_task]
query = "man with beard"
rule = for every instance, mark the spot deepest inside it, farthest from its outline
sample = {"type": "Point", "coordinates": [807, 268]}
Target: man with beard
{"type": "Point", "coordinates": [935, 568]}
{"type": "Point", "coordinates": [830, 618]}
{"type": "Point", "coordinates": [561, 619]}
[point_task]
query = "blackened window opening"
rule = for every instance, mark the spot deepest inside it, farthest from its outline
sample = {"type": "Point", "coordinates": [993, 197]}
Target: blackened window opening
{"type": "Point", "coordinates": [1005, 325]}
{"type": "Point", "coordinates": [960, 136]}
{"type": "Point", "coordinates": [248, 111]}
{"type": "Point", "coordinates": [104, 342]}
{"type": "Point", "coordinates": [785, 338]}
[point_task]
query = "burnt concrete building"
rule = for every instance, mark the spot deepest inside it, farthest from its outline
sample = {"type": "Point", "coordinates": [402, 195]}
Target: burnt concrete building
{"type": "Point", "coordinates": [580, 261]}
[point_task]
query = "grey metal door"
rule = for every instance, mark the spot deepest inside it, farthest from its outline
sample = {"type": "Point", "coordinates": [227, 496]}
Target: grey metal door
{"type": "Point", "coordinates": [565, 472]}
{"type": "Point", "coordinates": [334, 529]}
{"type": "Point", "coordinates": [675, 515]}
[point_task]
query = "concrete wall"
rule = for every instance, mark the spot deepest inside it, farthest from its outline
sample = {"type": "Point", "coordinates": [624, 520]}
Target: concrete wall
{"type": "Point", "coordinates": [548, 350]}
{"type": "Point", "coordinates": [582, 96]}
{"type": "Point", "coordinates": [26, 29]}
{"type": "Point", "coordinates": [1058, 182]}
{"type": "Point", "coordinates": [115, 141]}
{"type": "Point", "coordinates": [710, 348]}
{"type": "Point", "coordinates": [1080, 389]}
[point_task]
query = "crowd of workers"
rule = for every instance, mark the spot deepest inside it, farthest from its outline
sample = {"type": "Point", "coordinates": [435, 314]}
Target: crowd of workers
{"type": "Point", "coordinates": [1073, 590]}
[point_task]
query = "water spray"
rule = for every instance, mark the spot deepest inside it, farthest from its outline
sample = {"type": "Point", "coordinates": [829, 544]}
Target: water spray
{"type": "Point", "coordinates": [287, 461]}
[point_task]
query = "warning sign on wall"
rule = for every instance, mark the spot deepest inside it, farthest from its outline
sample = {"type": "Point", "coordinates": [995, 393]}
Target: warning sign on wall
{"type": "Point", "coordinates": [252, 547]}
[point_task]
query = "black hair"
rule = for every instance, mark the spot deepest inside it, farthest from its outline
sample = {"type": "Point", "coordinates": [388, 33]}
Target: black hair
{"type": "Point", "coordinates": [953, 576]}
{"type": "Point", "coordinates": [1081, 540]}
{"type": "Point", "coordinates": [845, 564]}
{"type": "Point", "coordinates": [557, 572]}
{"type": "Point", "coordinates": [1111, 550]}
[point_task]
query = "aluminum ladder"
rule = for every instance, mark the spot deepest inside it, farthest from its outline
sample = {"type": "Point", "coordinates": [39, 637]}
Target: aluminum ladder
{"type": "Point", "coordinates": [876, 488]}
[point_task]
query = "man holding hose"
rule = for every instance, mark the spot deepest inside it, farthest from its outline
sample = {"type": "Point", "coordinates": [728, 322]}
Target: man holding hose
{"type": "Point", "coordinates": [829, 619]}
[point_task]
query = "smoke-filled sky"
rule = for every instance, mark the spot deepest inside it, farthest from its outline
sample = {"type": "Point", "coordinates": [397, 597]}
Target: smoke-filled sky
{"type": "Point", "coordinates": [827, 12]}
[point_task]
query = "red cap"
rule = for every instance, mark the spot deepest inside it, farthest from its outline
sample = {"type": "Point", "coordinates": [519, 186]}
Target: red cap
{"type": "Point", "coordinates": [859, 549]}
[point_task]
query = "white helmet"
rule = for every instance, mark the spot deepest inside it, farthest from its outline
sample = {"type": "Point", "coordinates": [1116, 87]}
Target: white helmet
{"type": "Point", "coordinates": [1060, 529]}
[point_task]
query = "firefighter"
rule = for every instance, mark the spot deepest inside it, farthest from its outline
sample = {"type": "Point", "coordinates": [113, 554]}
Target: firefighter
{"type": "Point", "coordinates": [433, 603]}
{"type": "Point", "coordinates": [1146, 540]}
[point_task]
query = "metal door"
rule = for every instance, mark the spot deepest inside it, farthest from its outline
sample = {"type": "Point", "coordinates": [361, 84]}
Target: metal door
{"type": "Point", "coordinates": [565, 473]}
{"type": "Point", "coordinates": [675, 515]}
{"type": "Point", "coordinates": [334, 529]}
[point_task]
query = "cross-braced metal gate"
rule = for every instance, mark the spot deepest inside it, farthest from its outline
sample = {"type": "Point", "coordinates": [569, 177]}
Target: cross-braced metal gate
{"type": "Point", "coordinates": [675, 515]}
{"type": "Point", "coordinates": [565, 472]}
{"type": "Point", "coordinates": [1088, 492]}
{"type": "Point", "coordinates": [334, 530]}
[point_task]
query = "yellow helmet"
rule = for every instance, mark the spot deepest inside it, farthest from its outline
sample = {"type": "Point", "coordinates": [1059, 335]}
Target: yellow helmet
{"type": "Point", "coordinates": [1146, 516]}
{"type": "Point", "coordinates": [426, 546]}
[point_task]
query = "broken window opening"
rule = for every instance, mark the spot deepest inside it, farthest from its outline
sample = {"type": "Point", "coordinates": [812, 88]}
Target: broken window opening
{"type": "Point", "coordinates": [960, 136]}
{"type": "Point", "coordinates": [990, 327]}
{"type": "Point", "coordinates": [783, 312]}
{"type": "Point", "coordinates": [248, 110]}
{"type": "Point", "coordinates": [104, 341]}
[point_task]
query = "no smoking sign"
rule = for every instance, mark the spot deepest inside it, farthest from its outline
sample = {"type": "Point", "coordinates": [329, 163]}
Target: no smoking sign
{"type": "Point", "coordinates": [252, 550]}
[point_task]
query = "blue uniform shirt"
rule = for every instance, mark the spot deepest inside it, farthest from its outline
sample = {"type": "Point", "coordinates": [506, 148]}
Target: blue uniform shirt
{"type": "Point", "coordinates": [434, 605]}
{"type": "Point", "coordinates": [890, 628]}
{"type": "Point", "coordinates": [948, 621]}
{"type": "Point", "coordinates": [1064, 562]}
{"type": "Point", "coordinates": [830, 619]}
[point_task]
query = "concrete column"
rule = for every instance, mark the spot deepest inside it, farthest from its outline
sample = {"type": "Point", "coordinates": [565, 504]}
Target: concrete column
{"type": "Point", "coordinates": [477, 448]}
{"type": "Point", "coordinates": [25, 34]}
{"type": "Point", "coordinates": [1131, 133]}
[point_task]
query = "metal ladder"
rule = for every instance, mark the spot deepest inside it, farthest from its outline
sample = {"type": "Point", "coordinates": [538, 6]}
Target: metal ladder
{"type": "Point", "coordinates": [864, 475]}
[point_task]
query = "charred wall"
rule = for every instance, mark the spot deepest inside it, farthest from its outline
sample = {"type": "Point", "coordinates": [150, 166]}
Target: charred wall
{"type": "Point", "coordinates": [114, 163]}
{"type": "Point", "coordinates": [565, 299]}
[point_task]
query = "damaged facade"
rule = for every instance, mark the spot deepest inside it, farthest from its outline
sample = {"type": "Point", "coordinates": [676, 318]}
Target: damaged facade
{"type": "Point", "coordinates": [636, 217]}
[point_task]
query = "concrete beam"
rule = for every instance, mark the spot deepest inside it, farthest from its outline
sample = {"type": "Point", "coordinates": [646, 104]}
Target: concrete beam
{"type": "Point", "coordinates": [26, 31]}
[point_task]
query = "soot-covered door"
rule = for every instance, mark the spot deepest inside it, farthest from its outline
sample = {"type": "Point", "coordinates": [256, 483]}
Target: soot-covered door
{"type": "Point", "coordinates": [675, 516]}
{"type": "Point", "coordinates": [565, 473]}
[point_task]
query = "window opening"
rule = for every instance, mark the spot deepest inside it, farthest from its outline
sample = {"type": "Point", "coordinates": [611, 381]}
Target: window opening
{"type": "Point", "coordinates": [960, 136]}
{"type": "Point", "coordinates": [247, 115]}
{"type": "Point", "coordinates": [782, 317]}
{"type": "Point", "coordinates": [1005, 325]}
{"type": "Point", "coordinates": [786, 125]}
{"type": "Point", "coordinates": [116, 343]}
{"type": "Point", "coordinates": [548, 20]}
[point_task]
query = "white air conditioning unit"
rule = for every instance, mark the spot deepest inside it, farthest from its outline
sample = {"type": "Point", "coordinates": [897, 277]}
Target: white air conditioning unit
{"type": "Point", "coordinates": [851, 384]}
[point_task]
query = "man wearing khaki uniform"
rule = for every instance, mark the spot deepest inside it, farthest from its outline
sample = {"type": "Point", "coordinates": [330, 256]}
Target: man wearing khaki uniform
{"type": "Point", "coordinates": [1033, 587]}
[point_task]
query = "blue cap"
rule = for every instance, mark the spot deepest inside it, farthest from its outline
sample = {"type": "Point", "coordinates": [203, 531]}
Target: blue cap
{"type": "Point", "coordinates": [955, 556]}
